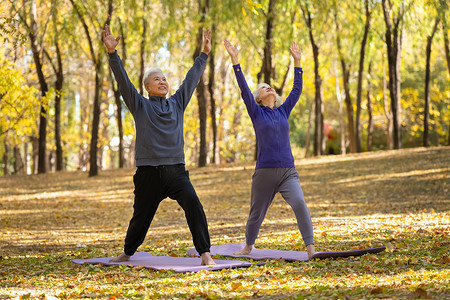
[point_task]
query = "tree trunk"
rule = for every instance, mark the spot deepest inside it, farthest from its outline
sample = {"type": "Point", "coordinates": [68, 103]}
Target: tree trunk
{"type": "Point", "coordinates": [32, 34]}
{"type": "Point", "coordinates": [369, 111]}
{"type": "Point", "coordinates": [348, 107]}
{"type": "Point", "coordinates": [118, 101]}
{"type": "Point", "coordinates": [5, 155]}
{"type": "Point", "coordinates": [266, 68]}
{"type": "Point", "coordinates": [360, 78]}
{"type": "Point", "coordinates": [308, 132]}
{"type": "Point", "coordinates": [318, 121]}
{"type": "Point", "coordinates": [427, 85]}
{"type": "Point", "coordinates": [224, 70]}
{"type": "Point", "coordinates": [387, 112]}
{"type": "Point", "coordinates": [93, 149]}
{"type": "Point", "coordinates": [18, 161]}
{"type": "Point", "coordinates": [25, 155]}
{"type": "Point", "coordinates": [211, 81]}
{"type": "Point", "coordinates": [97, 59]}
{"type": "Point", "coordinates": [58, 87]}
{"type": "Point", "coordinates": [142, 49]}
{"type": "Point", "coordinates": [394, 36]}
{"type": "Point", "coordinates": [34, 154]}
{"type": "Point", "coordinates": [347, 98]}
{"type": "Point", "coordinates": [444, 9]}
{"type": "Point", "coordinates": [201, 90]}
{"type": "Point", "coordinates": [341, 118]}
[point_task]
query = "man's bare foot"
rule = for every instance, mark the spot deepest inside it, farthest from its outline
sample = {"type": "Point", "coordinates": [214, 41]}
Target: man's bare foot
{"type": "Point", "coordinates": [311, 250]}
{"type": "Point", "coordinates": [120, 258]}
{"type": "Point", "coordinates": [244, 251]}
{"type": "Point", "coordinates": [207, 259]}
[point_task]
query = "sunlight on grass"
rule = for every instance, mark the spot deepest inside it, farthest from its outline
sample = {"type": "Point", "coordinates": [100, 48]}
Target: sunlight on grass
{"type": "Point", "coordinates": [397, 199]}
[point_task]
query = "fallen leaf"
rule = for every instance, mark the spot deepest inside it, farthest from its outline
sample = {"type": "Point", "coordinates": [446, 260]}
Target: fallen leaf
{"type": "Point", "coordinates": [377, 290]}
{"type": "Point", "coordinates": [420, 293]}
{"type": "Point", "coordinates": [236, 285]}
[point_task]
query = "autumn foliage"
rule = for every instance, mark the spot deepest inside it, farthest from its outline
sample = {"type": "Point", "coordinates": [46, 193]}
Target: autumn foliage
{"type": "Point", "coordinates": [398, 199]}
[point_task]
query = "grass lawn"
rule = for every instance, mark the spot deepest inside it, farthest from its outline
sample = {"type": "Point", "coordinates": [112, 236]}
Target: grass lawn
{"type": "Point", "coordinates": [398, 199]}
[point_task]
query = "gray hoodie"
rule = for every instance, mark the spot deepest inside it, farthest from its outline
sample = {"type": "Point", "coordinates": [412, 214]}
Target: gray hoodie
{"type": "Point", "coordinates": [158, 120]}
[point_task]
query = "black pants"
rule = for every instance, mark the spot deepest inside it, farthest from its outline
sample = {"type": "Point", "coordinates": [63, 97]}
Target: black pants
{"type": "Point", "coordinates": [152, 184]}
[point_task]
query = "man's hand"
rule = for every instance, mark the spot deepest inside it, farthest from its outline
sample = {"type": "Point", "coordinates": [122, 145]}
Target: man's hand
{"type": "Point", "coordinates": [296, 54]}
{"type": "Point", "coordinates": [207, 41]}
{"type": "Point", "coordinates": [232, 51]}
{"type": "Point", "coordinates": [109, 41]}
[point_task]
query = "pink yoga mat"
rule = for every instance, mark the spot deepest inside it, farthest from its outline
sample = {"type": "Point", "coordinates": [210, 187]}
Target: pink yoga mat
{"type": "Point", "coordinates": [178, 264]}
{"type": "Point", "coordinates": [260, 254]}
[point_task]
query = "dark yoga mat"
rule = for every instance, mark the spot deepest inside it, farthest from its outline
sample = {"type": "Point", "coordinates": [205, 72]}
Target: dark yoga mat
{"type": "Point", "coordinates": [259, 254]}
{"type": "Point", "coordinates": [178, 264]}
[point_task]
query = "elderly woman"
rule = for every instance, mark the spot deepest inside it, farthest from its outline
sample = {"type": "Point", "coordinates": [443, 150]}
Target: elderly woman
{"type": "Point", "coordinates": [275, 170]}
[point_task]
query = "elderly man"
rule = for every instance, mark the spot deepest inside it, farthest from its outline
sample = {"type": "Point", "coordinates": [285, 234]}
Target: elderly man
{"type": "Point", "coordinates": [160, 162]}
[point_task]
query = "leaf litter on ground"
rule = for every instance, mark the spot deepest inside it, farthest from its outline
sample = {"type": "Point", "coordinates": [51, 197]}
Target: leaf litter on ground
{"type": "Point", "coordinates": [398, 199]}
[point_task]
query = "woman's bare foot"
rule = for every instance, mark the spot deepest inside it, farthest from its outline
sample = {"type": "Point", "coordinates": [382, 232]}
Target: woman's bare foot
{"type": "Point", "coordinates": [311, 250]}
{"type": "Point", "coordinates": [207, 259]}
{"type": "Point", "coordinates": [120, 258]}
{"type": "Point", "coordinates": [244, 251]}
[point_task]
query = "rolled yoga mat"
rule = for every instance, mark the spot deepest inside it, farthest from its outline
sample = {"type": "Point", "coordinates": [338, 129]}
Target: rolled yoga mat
{"type": "Point", "coordinates": [178, 264]}
{"type": "Point", "coordinates": [260, 254]}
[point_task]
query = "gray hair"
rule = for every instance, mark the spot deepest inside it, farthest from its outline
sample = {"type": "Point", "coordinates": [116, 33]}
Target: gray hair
{"type": "Point", "coordinates": [278, 100]}
{"type": "Point", "coordinates": [150, 72]}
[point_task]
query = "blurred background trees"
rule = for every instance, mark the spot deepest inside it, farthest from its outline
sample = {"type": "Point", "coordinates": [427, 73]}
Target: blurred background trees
{"type": "Point", "coordinates": [376, 76]}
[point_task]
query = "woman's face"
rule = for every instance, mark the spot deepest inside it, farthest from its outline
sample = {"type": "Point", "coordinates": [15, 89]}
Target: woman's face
{"type": "Point", "coordinates": [267, 96]}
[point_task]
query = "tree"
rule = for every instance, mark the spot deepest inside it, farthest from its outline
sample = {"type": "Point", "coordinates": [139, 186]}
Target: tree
{"type": "Point", "coordinates": [211, 88]}
{"type": "Point", "coordinates": [346, 67]}
{"type": "Point", "coordinates": [369, 109]}
{"type": "Point", "coordinates": [96, 57]}
{"type": "Point", "coordinates": [18, 111]}
{"type": "Point", "coordinates": [59, 81]}
{"type": "Point", "coordinates": [203, 7]}
{"type": "Point", "coordinates": [443, 12]}
{"type": "Point", "coordinates": [394, 38]}
{"type": "Point", "coordinates": [339, 96]}
{"type": "Point", "coordinates": [318, 123]}
{"type": "Point", "coordinates": [360, 77]}
{"type": "Point", "coordinates": [118, 100]}
{"type": "Point", "coordinates": [427, 83]}
{"type": "Point", "coordinates": [28, 17]}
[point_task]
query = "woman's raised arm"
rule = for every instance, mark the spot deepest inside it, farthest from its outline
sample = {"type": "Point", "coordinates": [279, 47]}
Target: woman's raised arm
{"type": "Point", "coordinates": [232, 51]}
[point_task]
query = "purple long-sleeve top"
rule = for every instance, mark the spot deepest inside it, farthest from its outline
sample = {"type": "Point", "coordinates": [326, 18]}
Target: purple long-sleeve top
{"type": "Point", "coordinates": [271, 125]}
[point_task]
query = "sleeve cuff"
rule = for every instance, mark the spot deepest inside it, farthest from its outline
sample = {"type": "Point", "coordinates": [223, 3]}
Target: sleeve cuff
{"type": "Point", "coordinates": [113, 55]}
{"type": "Point", "coordinates": [203, 55]}
{"type": "Point", "coordinates": [237, 68]}
{"type": "Point", "coordinates": [298, 70]}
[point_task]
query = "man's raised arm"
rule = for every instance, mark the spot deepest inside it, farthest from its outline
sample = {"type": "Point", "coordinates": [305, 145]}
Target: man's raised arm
{"type": "Point", "coordinates": [130, 95]}
{"type": "Point", "coordinates": [190, 82]}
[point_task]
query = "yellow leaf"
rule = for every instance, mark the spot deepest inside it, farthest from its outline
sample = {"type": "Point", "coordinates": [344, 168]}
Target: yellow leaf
{"type": "Point", "coordinates": [236, 285]}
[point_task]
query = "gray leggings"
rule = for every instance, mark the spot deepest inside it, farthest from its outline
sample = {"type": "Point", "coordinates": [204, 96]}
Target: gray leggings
{"type": "Point", "coordinates": [265, 184]}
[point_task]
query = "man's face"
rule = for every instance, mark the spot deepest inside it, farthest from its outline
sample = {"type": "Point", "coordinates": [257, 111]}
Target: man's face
{"type": "Point", "coordinates": [157, 85]}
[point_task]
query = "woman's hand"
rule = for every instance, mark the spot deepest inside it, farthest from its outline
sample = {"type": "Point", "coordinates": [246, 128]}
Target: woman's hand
{"type": "Point", "coordinates": [296, 54]}
{"type": "Point", "coordinates": [232, 51]}
{"type": "Point", "coordinates": [109, 41]}
{"type": "Point", "coordinates": [207, 41]}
